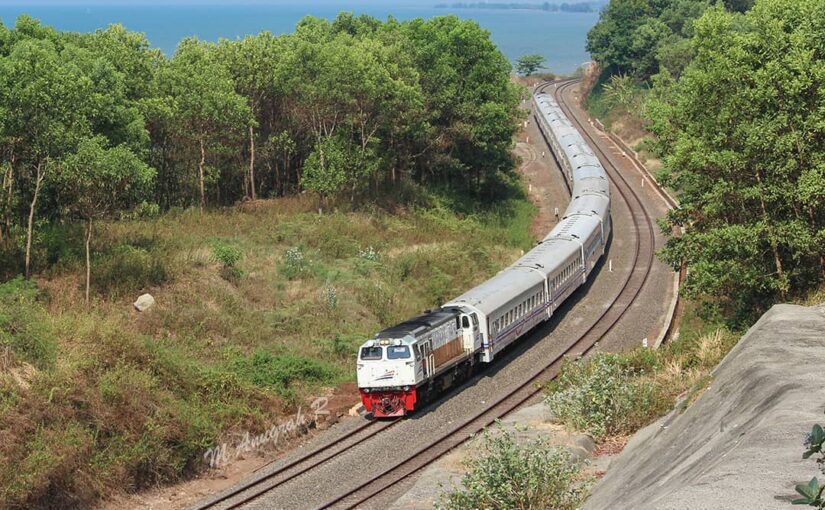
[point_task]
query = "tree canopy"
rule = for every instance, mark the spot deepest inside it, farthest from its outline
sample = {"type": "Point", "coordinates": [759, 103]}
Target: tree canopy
{"type": "Point", "coordinates": [743, 132]}
{"type": "Point", "coordinates": [422, 101]}
{"type": "Point", "coordinates": [641, 37]}
{"type": "Point", "coordinates": [529, 64]}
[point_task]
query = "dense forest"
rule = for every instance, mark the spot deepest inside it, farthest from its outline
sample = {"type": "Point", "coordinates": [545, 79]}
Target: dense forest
{"type": "Point", "coordinates": [734, 95]}
{"type": "Point", "coordinates": [95, 125]}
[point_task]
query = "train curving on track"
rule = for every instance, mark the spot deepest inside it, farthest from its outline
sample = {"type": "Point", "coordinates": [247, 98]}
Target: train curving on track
{"type": "Point", "coordinates": [408, 364]}
{"type": "Point", "coordinates": [384, 474]}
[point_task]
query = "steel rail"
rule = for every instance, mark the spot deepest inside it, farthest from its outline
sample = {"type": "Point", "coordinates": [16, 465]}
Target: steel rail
{"type": "Point", "coordinates": [260, 486]}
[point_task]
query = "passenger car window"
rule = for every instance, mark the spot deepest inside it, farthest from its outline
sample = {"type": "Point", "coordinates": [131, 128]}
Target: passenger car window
{"type": "Point", "coordinates": [372, 353]}
{"type": "Point", "coordinates": [398, 352]}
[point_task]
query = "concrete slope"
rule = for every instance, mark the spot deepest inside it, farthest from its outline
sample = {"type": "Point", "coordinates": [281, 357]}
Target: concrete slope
{"type": "Point", "coordinates": [739, 446]}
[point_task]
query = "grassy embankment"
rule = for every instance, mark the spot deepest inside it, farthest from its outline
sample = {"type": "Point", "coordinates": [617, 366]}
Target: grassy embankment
{"type": "Point", "coordinates": [100, 398]}
{"type": "Point", "coordinates": [611, 396]}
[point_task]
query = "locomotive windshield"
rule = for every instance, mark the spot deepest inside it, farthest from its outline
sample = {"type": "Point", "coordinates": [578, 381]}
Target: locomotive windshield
{"type": "Point", "coordinates": [372, 353]}
{"type": "Point", "coordinates": [398, 352]}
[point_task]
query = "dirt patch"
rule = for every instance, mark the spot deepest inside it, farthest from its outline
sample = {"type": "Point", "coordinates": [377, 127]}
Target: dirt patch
{"type": "Point", "coordinates": [611, 446]}
{"type": "Point", "coordinates": [543, 180]}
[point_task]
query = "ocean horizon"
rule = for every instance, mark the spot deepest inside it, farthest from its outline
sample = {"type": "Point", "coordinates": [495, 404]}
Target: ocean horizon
{"type": "Point", "coordinates": [558, 36]}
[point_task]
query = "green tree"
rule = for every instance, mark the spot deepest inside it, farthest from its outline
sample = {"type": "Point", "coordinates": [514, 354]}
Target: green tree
{"type": "Point", "coordinates": [529, 64]}
{"type": "Point", "coordinates": [48, 105]}
{"type": "Point", "coordinates": [742, 132]}
{"type": "Point", "coordinates": [325, 170]}
{"type": "Point", "coordinates": [639, 37]}
{"type": "Point", "coordinates": [97, 181]}
{"type": "Point", "coordinates": [610, 41]}
{"type": "Point", "coordinates": [471, 103]}
{"type": "Point", "coordinates": [253, 63]}
{"type": "Point", "coordinates": [206, 109]}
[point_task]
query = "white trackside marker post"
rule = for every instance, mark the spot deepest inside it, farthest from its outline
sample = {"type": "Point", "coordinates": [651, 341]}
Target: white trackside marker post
{"type": "Point", "coordinates": [528, 139]}
{"type": "Point", "coordinates": [610, 265]}
{"type": "Point", "coordinates": [529, 188]}
{"type": "Point", "coordinates": [643, 182]}
{"type": "Point", "coordinates": [644, 343]}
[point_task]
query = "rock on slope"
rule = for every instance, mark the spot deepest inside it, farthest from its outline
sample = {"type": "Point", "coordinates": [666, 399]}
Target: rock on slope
{"type": "Point", "coordinates": [740, 444]}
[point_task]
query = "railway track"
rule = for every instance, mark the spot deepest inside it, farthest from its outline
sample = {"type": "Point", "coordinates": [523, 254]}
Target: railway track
{"type": "Point", "coordinates": [642, 261]}
{"type": "Point", "coordinates": [632, 286]}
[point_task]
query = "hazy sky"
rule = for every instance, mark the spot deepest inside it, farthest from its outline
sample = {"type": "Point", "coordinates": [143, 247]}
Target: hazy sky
{"type": "Point", "coordinates": [17, 3]}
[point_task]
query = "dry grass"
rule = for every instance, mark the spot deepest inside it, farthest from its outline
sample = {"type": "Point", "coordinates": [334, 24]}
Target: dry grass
{"type": "Point", "coordinates": [814, 298]}
{"type": "Point", "coordinates": [102, 398]}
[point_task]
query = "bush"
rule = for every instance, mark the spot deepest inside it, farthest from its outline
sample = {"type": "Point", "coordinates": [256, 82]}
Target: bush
{"type": "Point", "coordinates": [24, 324]}
{"type": "Point", "coordinates": [225, 253]}
{"type": "Point", "coordinates": [345, 346]}
{"type": "Point", "coordinates": [228, 255]}
{"type": "Point", "coordinates": [283, 373]}
{"type": "Point", "coordinates": [144, 211]}
{"type": "Point", "coordinates": [294, 263]}
{"type": "Point", "coordinates": [369, 253]}
{"type": "Point", "coordinates": [509, 476]}
{"type": "Point", "coordinates": [330, 297]}
{"type": "Point", "coordinates": [601, 396]}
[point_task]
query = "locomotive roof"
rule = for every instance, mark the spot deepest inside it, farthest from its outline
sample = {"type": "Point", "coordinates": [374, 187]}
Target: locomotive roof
{"type": "Point", "coordinates": [416, 325]}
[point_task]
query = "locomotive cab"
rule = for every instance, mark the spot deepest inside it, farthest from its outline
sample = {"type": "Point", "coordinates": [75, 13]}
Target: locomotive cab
{"type": "Point", "coordinates": [387, 376]}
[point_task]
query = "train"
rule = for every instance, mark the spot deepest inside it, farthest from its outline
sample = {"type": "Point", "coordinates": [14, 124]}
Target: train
{"type": "Point", "coordinates": [408, 364]}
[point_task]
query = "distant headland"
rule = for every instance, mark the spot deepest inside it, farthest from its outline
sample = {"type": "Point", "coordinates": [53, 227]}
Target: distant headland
{"type": "Point", "coordinates": [545, 6]}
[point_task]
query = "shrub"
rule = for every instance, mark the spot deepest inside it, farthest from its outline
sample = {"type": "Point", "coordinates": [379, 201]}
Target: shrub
{"type": "Point", "coordinates": [225, 253]}
{"type": "Point", "coordinates": [344, 346]}
{"type": "Point", "coordinates": [283, 373]}
{"type": "Point", "coordinates": [439, 287]}
{"type": "Point", "coordinates": [601, 396]}
{"type": "Point", "coordinates": [509, 476]}
{"type": "Point", "coordinates": [379, 300]}
{"type": "Point", "coordinates": [369, 253]}
{"type": "Point", "coordinates": [228, 255]}
{"type": "Point", "coordinates": [294, 263]}
{"type": "Point", "coordinates": [24, 325]}
{"type": "Point", "coordinates": [330, 297]}
{"type": "Point", "coordinates": [144, 211]}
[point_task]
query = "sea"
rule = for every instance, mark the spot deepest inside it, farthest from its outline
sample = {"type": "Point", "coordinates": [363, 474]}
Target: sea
{"type": "Point", "coordinates": [558, 36]}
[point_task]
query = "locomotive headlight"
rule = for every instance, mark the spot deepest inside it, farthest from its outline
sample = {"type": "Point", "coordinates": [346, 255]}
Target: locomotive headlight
{"type": "Point", "coordinates": [406, 388]}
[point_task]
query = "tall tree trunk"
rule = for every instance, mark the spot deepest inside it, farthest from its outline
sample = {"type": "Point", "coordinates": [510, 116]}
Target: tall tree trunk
{"type": "Point", "coordinates": [88, 258]}
{"type": "Point", "coordinates": [201, 164]}
{"type": "Point", "coordinates": [777, 260]}
{"type": "Point", "coordinates": [38, 181]}
{"type": "Point", "coordinates": [276, 185]}
{"type": "Point", "coordinates": [8, 189]}
{"type": "Point", "coordinates": [252, 163]}
{"type": "Point", "coordinates": [814, 228]}
{"type": "Point", "coordinates": [284, 176]}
